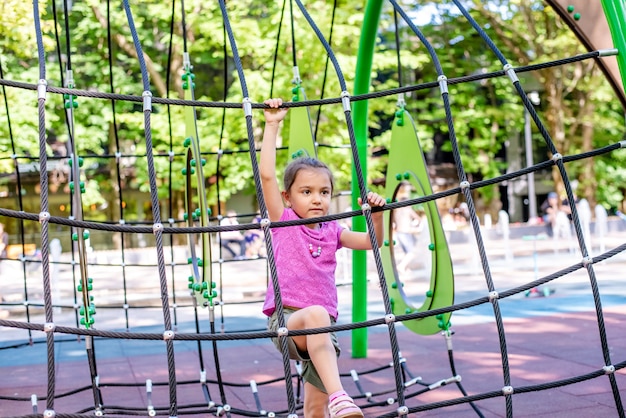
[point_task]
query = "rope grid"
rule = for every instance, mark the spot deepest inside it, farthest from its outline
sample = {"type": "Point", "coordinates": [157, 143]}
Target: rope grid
{"type": "Point", "coordinates": [403, 377]}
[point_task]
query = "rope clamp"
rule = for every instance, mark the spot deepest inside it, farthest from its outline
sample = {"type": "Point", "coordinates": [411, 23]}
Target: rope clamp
{"type": "Point", "coordinates": [587, 261]}
{"type": "Point", "coordinates": [609, 369]}
{"type": "Point", "coordinates": [49, 327]}
{"type": "Point", "coordinates": [282, 331]}
{"type": "Point", "coordinates": [171, 154]}
{"type": "Point", "coordinates": [389, 318]}
{"type": "Point", "coordinates": [465, 185]}
{"type": "Point", "coordinates": [41, 93]}
{"type": "Point", "coordinates": [443, 84]}
{"type": "Point", "coordinates": [157, 228]}
{"type": "Point", "coordinates": [507, 390]}
{"type": "Point", "coordinates": [493, 296]}
{"type": "Point", "coordinates": [622, 144]}
{"type": "Point", "coordinates": [49, 413]}
{"type": "Point", "coordinates": [118, 155]}
{"type": "Point", "coordinates": [403, 410]}
{"type": "Point", "coordinates": [557, 157]}
{"type": "Point", "coordinates": [607, 52]}
{"type": "Point", "coordinates": [365, 207]}
{"type": "Point", "coordinates": [44, 216]}
{"type": "Point", "coordinates": [508, 69]}
{"type": "Point", "coordinates": [247, 106]}
{"type": "Point", "coordinates": [147, 101]}
{"type": "Point", "coordinates": [168, 335]}
{"type": "Point", "coordinates": [345, 100]}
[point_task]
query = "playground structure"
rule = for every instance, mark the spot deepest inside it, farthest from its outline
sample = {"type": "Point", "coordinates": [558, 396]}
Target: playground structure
{"type": "Point", "coordinates": [432, 317]}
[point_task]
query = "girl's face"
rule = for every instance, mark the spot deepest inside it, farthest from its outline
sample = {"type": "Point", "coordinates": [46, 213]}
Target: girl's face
{"type": "Point", "coordinates": [310, 193]}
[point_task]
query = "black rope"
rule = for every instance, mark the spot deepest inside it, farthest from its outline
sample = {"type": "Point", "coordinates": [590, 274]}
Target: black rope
{"type": "Point", "coordinates": [173, 408]}
{"type": "Point", "coordinates": [330, 42]}
{"type": "Point", "coordinates": [156, 212]}
{"type": "Point", "coordinates": [308, 103]}
{"type": "Point", "coordinates": [465, 189]}
{"type": "Point", "coordinates": [262, 206]}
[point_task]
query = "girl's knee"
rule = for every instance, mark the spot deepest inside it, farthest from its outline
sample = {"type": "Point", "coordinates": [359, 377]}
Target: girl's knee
{"type": "Point", "coordinates": [317, 316]}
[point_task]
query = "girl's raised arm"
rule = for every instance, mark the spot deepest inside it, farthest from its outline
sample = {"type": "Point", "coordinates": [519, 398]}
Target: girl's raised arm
{"type": "Point", "coordinates": [271, 192]}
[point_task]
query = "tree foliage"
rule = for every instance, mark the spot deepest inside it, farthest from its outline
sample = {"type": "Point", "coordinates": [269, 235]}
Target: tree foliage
{"type": "Point", "coordinates": [580, 109]}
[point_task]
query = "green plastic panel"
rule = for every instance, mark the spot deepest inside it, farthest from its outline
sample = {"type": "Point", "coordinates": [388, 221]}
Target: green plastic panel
{"type": "Point", "coordinates": [407, 164]}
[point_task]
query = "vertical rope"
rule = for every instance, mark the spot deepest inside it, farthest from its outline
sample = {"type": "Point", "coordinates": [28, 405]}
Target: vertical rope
{"type": "Point", "coordinates": [367, 211]}
{"type": "Point", "coordinates": [156, 213]}
{"type": "Point", "coordinates": [43, 179]}
{"type": "Point", "coordinates": [262, 207]}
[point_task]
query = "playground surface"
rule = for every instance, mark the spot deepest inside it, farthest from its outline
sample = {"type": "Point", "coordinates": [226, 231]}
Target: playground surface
{"type": "Point", "coordinates": [548, 339]}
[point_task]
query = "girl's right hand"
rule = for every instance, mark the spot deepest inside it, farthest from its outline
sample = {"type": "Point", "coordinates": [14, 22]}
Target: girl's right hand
{"type": "Point", "coordinates": [274, 114]}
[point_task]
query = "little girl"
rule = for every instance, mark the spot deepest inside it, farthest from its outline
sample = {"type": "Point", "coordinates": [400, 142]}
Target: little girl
{"type": "Point", "coordinates": [305, 263]}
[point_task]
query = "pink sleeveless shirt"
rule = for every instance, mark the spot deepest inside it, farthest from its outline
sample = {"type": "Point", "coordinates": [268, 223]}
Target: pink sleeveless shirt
{"type": "Point", "coordinates": [305, 280]}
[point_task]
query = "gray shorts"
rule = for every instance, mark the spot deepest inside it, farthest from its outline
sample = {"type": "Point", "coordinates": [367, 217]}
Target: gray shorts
{"type": "Point", "coordinates": [309, 374]}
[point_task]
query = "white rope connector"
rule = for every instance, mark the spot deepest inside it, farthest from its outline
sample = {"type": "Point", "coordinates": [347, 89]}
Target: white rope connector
{"type": "Point", "coordinates": [171, 154]}
{"type": "Point", "coordinates": [49, 327]}
{"type": "Point", "coordinates": [622, 144]}
{"type": "Point", "coordinates": [171, 220]}
{"type": "Point", "coordinates": [296, 75]}
{"type": "Point", "coordinates": [557, 157]}
{"type": "Point", "coordinates": [147, 101]}
{"type": "Point", "coordinates": [493, 296]}
{"type": "Point", "coordinates": [247, 106]}
{"type": "Point", "coordinates": [118, 155]}
{"type": "Point", "coordinates": [507, 390]}
{"type": "Point", "coordinates": [390, 401]}
{"type": "Point", "coordinates": [271, 414]}
{"type": "Point", "coordinates": [265, 222]}
{"type": "Point", "coordinates": [443, 84]}
{"type": "Point", "coordinates": [157, 228]}
{"type": "Point", "coordinates": [365, 207]}
{"type": "Point", "coordinates": [41, 93]}
{"type": "Point", "coordinates": [403, 410]}
{"type": "Point", "coordinates": [345, 101]}
{"type": "Point", "coordinates": [49, 413]}
{"type": "Point", "coordinates": [99, 413]}
{"type": "Point", "coordinates": [587, 261]}
{"type": "Point", "coordinates": [44, 216]}
{"type": "Point", "coordinates": [389, 318]}
{"type": "Point", "coordinates": [607, 52]}
{"type": "Point", "coordinates": [282, 331]}
{"type": "Point", "coordinates": [186, 60]}
{"type": "Point", "coordinates": [609, 369]}
{"type": "Point", "coordinates": [168, 335]}
{"type": "Point", "coordinates": [33, 400]}
{"type": "Point", "coordinates": [508, 69]}
{"type": "Point", "coordinates": [122, 222]}
{"type": "Point", "coordinates": [464, 185]}
{"type": "Point", "coordinates": [292, 416]}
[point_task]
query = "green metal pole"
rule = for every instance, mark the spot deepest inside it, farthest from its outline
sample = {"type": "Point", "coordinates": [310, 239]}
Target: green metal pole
{"type": "Point", "coordinates": [359, 115]}
{"type": "Point", "coordinates": [615, 13]}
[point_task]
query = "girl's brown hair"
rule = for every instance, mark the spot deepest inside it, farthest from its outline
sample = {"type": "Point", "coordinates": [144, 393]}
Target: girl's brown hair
{"type": "Point", "coordinates": [302, 163]}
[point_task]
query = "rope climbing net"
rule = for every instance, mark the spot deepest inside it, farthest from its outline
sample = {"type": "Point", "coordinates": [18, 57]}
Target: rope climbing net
{"type": "Point", "coordinates": [199, 226]}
